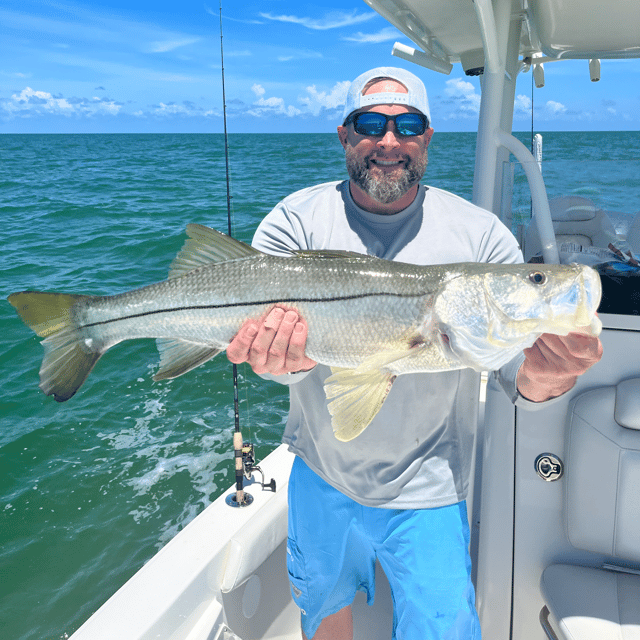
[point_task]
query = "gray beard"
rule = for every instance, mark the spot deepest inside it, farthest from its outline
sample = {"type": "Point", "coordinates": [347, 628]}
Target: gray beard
{"type": "Point", "coordinates": [388, 188]}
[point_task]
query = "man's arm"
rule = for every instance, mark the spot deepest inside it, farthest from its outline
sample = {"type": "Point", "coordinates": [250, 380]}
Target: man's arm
{"type": "Point", "coordinates": [553, 363]}
{"type": "Point", "coordinates": [273, 345]}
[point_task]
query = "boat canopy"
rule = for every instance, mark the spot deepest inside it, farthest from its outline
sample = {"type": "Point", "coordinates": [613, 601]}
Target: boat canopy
{"type": "Point", "coordinates": [496, 40]}
{"type": "Point", "coordinates": [449, 31]}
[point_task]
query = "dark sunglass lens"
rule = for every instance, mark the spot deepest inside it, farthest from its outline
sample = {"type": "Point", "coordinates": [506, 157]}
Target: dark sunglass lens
{"type": "Point", "coordinates": [369, 124]}
{"type": "Point", "coordinates": [410, 124]}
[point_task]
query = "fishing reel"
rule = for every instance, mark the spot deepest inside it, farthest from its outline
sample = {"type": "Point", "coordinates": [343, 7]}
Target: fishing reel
{"type": "Point", "coordinates": [245, 466]}
{"type": "Point", "coordinates": [249, 466]}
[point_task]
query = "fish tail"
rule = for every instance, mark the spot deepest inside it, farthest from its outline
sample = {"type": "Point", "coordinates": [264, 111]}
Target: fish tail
{"type": "Point", "coordinates": [68, 357]}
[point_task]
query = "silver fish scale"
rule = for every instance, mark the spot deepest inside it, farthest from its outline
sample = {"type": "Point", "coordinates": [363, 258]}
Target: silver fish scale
{"type": "Point", "coordinates": [352, 307]}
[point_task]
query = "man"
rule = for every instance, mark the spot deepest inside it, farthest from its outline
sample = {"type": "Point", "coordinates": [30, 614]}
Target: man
{"type": "Point", "coordinates": [395, 493]}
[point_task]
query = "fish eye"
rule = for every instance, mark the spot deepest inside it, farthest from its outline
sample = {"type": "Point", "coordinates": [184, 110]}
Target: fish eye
{"type": "Point", "coordinates": [537, 277]}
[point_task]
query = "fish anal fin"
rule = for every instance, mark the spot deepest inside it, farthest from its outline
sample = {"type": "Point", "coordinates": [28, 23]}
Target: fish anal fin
{"type": "Point", "coordinates": [205, 246]}
{"type": "Point", "coordinates": [357, 398]}
{"type": "Point", "coordinates": [179, 356]}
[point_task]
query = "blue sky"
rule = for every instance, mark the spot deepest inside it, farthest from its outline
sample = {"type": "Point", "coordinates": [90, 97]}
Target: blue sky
{"type": "Point", "coordinates": [142, 66]}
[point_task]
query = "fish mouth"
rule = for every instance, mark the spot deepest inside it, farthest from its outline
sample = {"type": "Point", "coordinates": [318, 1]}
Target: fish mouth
{"type": "Point", "coordinates": [578, 304]}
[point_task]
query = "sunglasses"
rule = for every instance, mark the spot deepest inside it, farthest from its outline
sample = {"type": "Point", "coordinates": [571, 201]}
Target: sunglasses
{"type": "Point", "coordinates": [370, 123]}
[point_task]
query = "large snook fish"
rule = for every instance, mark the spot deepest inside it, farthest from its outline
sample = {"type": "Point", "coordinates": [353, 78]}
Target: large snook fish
{"type": "Point", "coordinates": [369, 319]}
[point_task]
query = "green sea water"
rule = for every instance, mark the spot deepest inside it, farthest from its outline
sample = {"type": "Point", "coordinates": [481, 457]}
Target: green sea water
{"type": "Point", "coordinates": [90, 489]}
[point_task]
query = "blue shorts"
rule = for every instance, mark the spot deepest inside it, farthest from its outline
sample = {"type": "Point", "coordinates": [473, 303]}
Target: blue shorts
{"type": "Point", "coordinates": [334, 543]}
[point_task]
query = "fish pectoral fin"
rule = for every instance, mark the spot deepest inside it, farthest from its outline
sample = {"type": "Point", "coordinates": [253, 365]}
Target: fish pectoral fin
{"type": "Point", "coordinates": [206, 246]}
{"type": "Point", "coordinates": [357, 398]}
{"type": "Point", "coordinates": [179, 356]}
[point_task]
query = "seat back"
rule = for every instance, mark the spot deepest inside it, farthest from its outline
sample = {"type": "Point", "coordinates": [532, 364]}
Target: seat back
{"type": "Point", "coordinates": [603, 472]}
{"type": "Point", "coordinates": [575, 219]}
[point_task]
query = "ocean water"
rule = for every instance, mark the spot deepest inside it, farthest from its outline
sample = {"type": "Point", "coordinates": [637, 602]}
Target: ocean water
{"type": "Point", "coordinates": [90, 489]}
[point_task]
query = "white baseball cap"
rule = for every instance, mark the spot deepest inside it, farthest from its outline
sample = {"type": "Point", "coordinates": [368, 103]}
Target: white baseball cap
{"type": "Point", "coordinates": [415, 97]}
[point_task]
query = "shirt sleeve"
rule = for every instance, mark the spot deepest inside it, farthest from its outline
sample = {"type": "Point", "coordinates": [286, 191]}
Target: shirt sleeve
{"type": "Point", "coordinates": [279, 233]}
{"type": "Point", "coordinates": [499, 245]}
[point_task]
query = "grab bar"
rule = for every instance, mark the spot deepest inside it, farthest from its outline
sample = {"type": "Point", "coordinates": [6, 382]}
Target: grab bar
{"type": "Point", "coordinates": [546, 625]}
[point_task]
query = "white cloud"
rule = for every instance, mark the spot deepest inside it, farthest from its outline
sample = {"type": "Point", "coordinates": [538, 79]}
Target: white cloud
{"type": "Point", "coordinates": [170, 109]}
{"type": "Point", "coordinates": [216, 14]}
{"type": "Point", "coordinates": [333, 20]}
{"type": "Point", "coordinates": [385, 35]}
{"type": "Point", "coordinates": [316, 100]}
{"type": "Point", "coordinates": [522, 105]}
{"type": "Point", "coordinates": [186, 109]}
{"type": "Point", "coordinates": [270, 106]}
{"type": "Point", "coordinates": [271, 103]}
{"type": "Point", "coordinates": [29, 103]}
{"type": "Point", "coordinates": [554, 108]}
{"type": "Point", "coordinates": [86, 25]}
{"type": "Point", "coordinates": [463, 96]}
{"type": "Point", "coordinates": [169, 45]}
{"type": "Point", "coordinates": [16, 74]}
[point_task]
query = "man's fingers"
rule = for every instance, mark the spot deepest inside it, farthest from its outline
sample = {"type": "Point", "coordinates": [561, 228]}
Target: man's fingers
{"type": "Point", "coordinates": [296, 359]}
{"type": "Point", "coordinates": [275, 344]}
{"type": "Point", "coordinates": [239, 348]}
{"type": "Point", "coordinates": [260, 357]}
{"type": "Point", "coordinates": [274, 318]}
{"type": "Point", "coordinates": [568, 355]}
{"type": "Point", "coordinates": [278, 348]}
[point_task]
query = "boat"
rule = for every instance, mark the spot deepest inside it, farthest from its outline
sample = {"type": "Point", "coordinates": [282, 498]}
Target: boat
{"type": "Point", "coordinates": [553, 506]}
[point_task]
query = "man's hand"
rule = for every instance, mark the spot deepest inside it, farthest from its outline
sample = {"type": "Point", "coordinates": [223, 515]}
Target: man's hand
{"type": "Point", "coordinates": [553, 363]}
{"type": "Point", "coordinates": [274, 344]}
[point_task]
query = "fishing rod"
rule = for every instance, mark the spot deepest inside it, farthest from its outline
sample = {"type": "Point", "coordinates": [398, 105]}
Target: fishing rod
{"type": "Point", "coordinates": [245, 462]}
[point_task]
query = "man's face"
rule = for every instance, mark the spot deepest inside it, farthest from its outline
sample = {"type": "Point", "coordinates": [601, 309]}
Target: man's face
{"type": "Point", "coordinates": [385, 167]}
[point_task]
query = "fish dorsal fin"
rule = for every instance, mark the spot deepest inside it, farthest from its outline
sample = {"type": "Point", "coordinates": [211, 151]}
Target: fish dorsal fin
{"type": "Point", "coordinates": [205, 246]}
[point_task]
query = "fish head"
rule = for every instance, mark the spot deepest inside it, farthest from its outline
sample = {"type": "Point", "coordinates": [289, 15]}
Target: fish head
{"type": "Point", "coordinates": [489, 313]}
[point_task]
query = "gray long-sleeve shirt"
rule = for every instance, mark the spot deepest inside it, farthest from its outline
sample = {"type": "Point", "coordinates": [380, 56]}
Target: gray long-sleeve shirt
{"type": "Point", "coordinates": [417, 451]}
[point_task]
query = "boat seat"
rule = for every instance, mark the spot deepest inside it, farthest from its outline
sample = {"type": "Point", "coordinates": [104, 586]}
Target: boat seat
{"type": "Point", "coordinates": [575, 219]}
{"type": "Point", "coordinates": [251, 546]}
{"type": "Point", "coordinates": [602, 461]}
{"type": "Point", "coordinates": [592, 604]}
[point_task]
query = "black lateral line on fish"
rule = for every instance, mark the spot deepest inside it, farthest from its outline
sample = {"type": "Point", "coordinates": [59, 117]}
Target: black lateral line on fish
{"type": "Point", "coordinates": [250, 304]}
